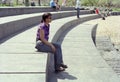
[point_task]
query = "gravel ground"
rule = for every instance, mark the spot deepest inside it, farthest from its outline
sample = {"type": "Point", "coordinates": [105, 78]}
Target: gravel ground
{"type": "Point", "coordinates": [108, 40]}
{"type": "Point", "coordinates": [109, 27]}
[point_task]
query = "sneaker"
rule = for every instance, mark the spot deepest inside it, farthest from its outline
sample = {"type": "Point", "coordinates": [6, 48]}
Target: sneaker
{"type": "Point", "coordinates": [60, 69]}
{"type": "Point", "coordinates": [64, 66]}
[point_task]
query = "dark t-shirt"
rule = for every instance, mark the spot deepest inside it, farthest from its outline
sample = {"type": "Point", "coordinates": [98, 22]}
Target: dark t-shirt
{"type": "Point", "coordinates": [44, 27]}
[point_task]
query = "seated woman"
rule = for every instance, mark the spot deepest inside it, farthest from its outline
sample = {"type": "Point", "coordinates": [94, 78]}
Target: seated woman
{"type": "Point", "coordinates": [43, 45]}
{"type": "Point", "coordinates": [54, 4]}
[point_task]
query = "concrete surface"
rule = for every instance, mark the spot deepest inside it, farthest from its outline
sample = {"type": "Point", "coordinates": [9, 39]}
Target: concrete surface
{"type": "Point", "coordinates": [21, 22]}
{"type": "Point", "coordinates": [10, 11]}
{"type": "Point", "coordinates": [21, 63]}
{"type": "Point", "coordinates": [108, 40]}
{"type": "Point", "coordinates": [83, 59]}
{"type": "Point", "coordinates": [19, 60]}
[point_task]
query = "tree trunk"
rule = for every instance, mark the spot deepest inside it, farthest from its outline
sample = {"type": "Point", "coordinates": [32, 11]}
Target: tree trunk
{"type": "Point", "coordinates": [26, 2]}
{"type": "Point", "coordinates": [16, 2]}
{"type": "Point", "coordinates": [39, 2]}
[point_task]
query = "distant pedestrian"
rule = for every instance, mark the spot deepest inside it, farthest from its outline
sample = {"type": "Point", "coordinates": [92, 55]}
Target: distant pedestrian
{"type": "Point", "coordinates": [54, 4]}
{"type": "Point", "coordinates": [78, 8]}
{"type": "Point", "coordinates": [43, 45]}
{"type": "Point", "coordinates": [57, 5]}
{"type": "Point", "coordinates": [103, 14]}
{"type": "Point", "coordinates": [32, 3]}
{"type": "Point", "coordinates": [64, 3]}
{"type": "Point", "coordinates": [96, 10]}
{"type": "Point", "coordinates": [3, 2]}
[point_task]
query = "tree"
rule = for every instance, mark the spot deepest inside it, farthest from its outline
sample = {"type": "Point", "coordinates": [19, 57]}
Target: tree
{"type": "Point", "coordinates": [16, 2]}
{"type": "Point", "coordinates": [26, 2]}
{"type": "Point", "coordinates": [39, 2]}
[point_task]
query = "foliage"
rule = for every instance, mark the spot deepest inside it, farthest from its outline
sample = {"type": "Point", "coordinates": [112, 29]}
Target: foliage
{"type": "Point", "coordinates": [116, 9]}
{"type": "Point", "coordinates": [113, 3]}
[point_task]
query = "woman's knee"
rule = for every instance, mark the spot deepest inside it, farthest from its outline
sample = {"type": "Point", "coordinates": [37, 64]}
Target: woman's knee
{"type": "Point", "coordinates": [43, 48]}
{"type": "Point", "coordinates": [57, 45]}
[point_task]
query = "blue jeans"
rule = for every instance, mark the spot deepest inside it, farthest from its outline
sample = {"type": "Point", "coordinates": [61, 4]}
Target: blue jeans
{"type": "Point", "coordinates": [58, 60]}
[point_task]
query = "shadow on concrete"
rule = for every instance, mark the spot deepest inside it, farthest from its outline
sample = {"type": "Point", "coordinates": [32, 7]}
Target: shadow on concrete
{"type": "Point", "coordinates": [16, 33]}
{"type": "Point", "coordinates": [65, 75]}
{"type": "Point", "coordinates": [52, 76]}
{"type": "Point", "coordinates": [93, 33]}
{"type": "Point", "coordinates": [62, 76]}
{"type": "Point", "coordinates": [59, 38]}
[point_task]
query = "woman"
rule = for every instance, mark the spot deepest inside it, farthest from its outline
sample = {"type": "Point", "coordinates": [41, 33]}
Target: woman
{"type": "Point", "coordinates": [43, 45]}
{"type": "Point", "coordinates": [54, 4]}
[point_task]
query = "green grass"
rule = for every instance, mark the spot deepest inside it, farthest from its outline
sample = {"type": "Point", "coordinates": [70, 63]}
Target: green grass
{"type": "Point", "coordinates": [116, 9]}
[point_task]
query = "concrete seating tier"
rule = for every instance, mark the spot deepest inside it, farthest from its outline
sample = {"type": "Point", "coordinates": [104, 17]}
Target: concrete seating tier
{"type": "Point", "coordinates": [10, 11]}
{"type": "Point", "coordinates": [12, 24]}
{"type": "Point", "coordinates": [19, 60]}
{"type": "Point", "coordinates": [79, 53]}
{"type": "Point", "coordinates": [57, 35]}
{"type": "Point", "coordinates": [115, 13]}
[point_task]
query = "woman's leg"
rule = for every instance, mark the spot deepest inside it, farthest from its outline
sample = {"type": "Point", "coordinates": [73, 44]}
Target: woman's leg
{"type": "Point", "coordinates": [42, 47]}
{"type": "Point", "coordinates": [58, 59]}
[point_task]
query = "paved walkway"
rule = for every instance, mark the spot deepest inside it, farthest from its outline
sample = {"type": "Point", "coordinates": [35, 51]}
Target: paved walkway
{"type": "Point", "coordinates": [83, 59]}
{"type": "Point", "coordinates": [19, 61]}
{"type": "Point", "coordinates": [108, 34]}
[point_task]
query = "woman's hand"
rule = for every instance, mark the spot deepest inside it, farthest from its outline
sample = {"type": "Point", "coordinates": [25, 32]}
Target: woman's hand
{"type": "Point", "coordinates": [53, 48]}
{"type": "Point", "coordinates": [42, 35]}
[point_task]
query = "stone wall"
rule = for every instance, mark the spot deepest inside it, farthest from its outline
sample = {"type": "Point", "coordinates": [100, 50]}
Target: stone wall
{"type": "Point", "coordinates": [27, 10]}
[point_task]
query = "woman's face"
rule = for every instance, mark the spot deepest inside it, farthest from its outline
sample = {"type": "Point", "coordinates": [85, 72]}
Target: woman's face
{"type": "Point", "coordinates": [49, 19]}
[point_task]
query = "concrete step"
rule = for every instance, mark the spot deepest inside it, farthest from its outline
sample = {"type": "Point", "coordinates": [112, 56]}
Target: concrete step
{"type": "Point", "coordinates": [10, 11]}
{"type": "Point", "coordinates": [52, 77]}
{"type": "Point", "coordinates": [83, 59]}
{"type": "Point", "coordinates": [20, 22]}
{"type": "Point", "coordinates": [86, 65]}
{"type": "Point", "coordinates": [19, 60]}
{"type": "Point", "coordinates": [22, 77]}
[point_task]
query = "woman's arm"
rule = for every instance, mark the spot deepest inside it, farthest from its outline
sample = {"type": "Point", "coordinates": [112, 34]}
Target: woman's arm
{"type": "Point", "coordinates": [45, 41]}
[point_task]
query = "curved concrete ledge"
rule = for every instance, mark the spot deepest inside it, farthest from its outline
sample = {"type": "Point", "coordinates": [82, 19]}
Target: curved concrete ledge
{"type": "Point", "coordinates": [93, 34]}
{"type": "Point", "coordinates": [85, 52]}
{"type": "Point", "coordinates": [72, 24]}
{"type": "Point", "coordinates": [27, 10]}
{"type": "Point", "coordinates": [62, 31]}
{"type": "Point", "coordinates": [115, 13]}
{"type": "Point", "coordinates": [11, 25]}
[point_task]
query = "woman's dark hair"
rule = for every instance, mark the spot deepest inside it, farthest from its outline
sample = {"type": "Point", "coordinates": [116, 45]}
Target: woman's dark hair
{"type": "Point", "coordinates": [45, 16]}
